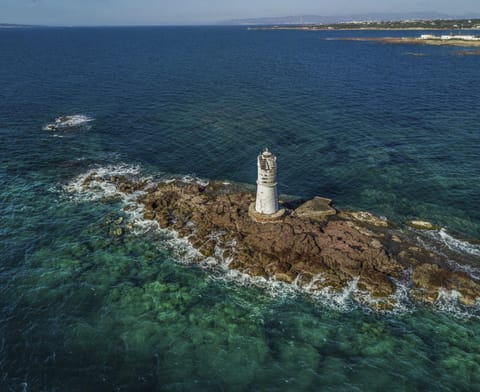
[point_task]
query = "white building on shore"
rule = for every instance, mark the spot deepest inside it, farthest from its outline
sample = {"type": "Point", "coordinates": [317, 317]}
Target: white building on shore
{"type": "Point", "coordinates": [450, 37]}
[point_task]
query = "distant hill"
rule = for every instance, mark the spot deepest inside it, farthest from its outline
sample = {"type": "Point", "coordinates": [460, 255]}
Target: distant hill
{"type": "Point", "coordinates": [12, 26]}
{"type": "Point", "coordinates": [317, 19]}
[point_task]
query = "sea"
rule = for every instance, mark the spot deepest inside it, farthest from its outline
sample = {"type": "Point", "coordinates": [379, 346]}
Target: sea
{"type": "Point", "coordinates": [389, 129]}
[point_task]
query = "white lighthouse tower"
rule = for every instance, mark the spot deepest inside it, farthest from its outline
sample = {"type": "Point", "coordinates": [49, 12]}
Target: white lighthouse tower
{"type": "Point", "coordinates": [267, 196]}
{"type": "Point", "coordinates": [265, 209]}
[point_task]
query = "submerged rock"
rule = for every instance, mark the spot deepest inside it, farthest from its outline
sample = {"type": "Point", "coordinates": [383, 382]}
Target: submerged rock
{"type": "Point", "coordinates": [116, 232]}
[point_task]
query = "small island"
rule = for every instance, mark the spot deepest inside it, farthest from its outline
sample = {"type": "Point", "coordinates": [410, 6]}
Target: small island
{"type": "Point", "coordinates": [310, 244]}
{"type": "Point", "coordinates": [463, 40]}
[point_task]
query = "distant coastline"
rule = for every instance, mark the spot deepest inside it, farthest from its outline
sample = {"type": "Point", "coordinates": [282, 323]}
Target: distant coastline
{"type": "Point", "coordinates": [324, 28]}
{"type": "Point", "coordinates": [454, 39]}
{"type": "Point", "coordinates": [17, 26]}
{"type": "Point", "coordinates": [440, 24]}
{"type": "Point", "coordinates": [413, 41]}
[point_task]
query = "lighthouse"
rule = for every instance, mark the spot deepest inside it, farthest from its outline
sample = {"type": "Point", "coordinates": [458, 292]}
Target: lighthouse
{"type": "Point", "coordinates": [267, 196]}
{"type": "Point", "coordinates": [266, 209]}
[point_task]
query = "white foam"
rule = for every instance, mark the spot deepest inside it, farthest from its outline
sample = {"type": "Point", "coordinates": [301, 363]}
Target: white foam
{"type": "Point", "coordinates": [472, 272]}
{"type": "Point", "coordinates": [401, 296]}
{"type": "Point", "coordinates": [340, 300]}
{"type": "Point", "coordinates": [273, 287]}
{"type": "Point", "coordinates": [181, 249]}
{"type": "Point", "coordinates": [439, 239]}
{"type": "Point", "coordinates": [186, 180]}
{"type": "Point", "coordinates": [458, 245]}
{"type": "Point", "coordinates": [195, 180]}
{"type": "Point", "coordinates": [345, 300]}
{"type": "Point", "coordinates": [66, 122]}
{"type": "Point", "coordinates": [447, 302]}
{"type": "Point", "coordinates": [99, 186]}
{"type": "Point", "coordinates": [134, 214]}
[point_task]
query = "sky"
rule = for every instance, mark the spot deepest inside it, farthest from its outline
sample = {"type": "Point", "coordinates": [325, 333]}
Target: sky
{"type": "Point", "coordinates": [175, 12]}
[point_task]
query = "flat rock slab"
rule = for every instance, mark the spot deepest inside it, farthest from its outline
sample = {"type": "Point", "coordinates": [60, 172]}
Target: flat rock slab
{"type": "Point", "coordinates": [317, 209]}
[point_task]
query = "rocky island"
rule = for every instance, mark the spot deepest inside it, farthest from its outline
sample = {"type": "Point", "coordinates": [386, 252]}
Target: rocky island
{"type": "Point", "coordinates": [309, 244]}
{"type": "Point", "coordinates": [422, 40]}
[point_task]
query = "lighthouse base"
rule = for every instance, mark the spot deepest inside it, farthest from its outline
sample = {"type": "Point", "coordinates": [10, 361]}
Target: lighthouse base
{"type": "Point", "coordinates": [264, 218]}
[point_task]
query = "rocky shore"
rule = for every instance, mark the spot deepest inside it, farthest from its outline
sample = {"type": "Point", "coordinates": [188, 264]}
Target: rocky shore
{"type": "Point", "coordinates": [414, 41]}
{"type": "Point", "coordinates": [313, 246]}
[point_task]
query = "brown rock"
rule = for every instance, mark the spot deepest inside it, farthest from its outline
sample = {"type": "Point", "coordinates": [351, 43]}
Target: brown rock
{"type": "Point", "coordinates": [368, 218]}
{"type": "Point", "coordinates": [428, 279]}
{"type": "Point", "coordinates": [315, 244]}
{"type": "Point", "coordinates": [148, 215]}
{"type": "Point", "coordinates": [317, 209]}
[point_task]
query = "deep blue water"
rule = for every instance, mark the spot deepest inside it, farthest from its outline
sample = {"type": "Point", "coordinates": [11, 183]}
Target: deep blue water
{"type": "Point", "coordinates": [393, 129]}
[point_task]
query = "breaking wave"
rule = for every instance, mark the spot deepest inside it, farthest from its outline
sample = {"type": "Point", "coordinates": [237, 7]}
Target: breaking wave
{"type": "Point", "coordinates": [457, 245]}
{"type": "Point", "coordinates": [67, 122]}
{"type": "Point", "coordinates": [447, 302]}
{"type": "Point", "coordinates": [188, 180]}
{"type": "Point", "coordinates": [454, 249]}
{"type": "Point", "coordinates": [100, 188]}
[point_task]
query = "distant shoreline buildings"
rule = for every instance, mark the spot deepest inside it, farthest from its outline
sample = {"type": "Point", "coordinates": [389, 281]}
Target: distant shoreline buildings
{"type": "Point", "coordinates": [450, 37]}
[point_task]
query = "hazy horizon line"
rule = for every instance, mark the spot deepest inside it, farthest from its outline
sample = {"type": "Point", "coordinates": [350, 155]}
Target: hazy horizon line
{"type": "Point", "coordinates": [234, 21]}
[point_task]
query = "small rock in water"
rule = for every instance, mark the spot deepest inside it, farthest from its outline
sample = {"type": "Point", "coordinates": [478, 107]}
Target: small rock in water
{"type": "Point", "coordinates": [367, 217]}
{"type": "Point", "coordinates": [116, 232]}
{"type": "Point", "coordinates": [422, 225]}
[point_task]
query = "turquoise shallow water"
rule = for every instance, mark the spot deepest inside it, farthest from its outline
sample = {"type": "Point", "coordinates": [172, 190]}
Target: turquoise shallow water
{"type": "Point", "coordinates": [370, 125]}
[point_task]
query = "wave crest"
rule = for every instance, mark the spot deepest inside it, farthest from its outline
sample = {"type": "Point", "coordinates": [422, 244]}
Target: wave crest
{"type": "Point", "coordinates": [66, 122]}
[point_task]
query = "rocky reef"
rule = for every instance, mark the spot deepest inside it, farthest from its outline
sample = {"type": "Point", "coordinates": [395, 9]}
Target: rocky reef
{"type": "Point", "coordinates": [413, 41]}
{"type": "Point", "coordinates": [313, 246]}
